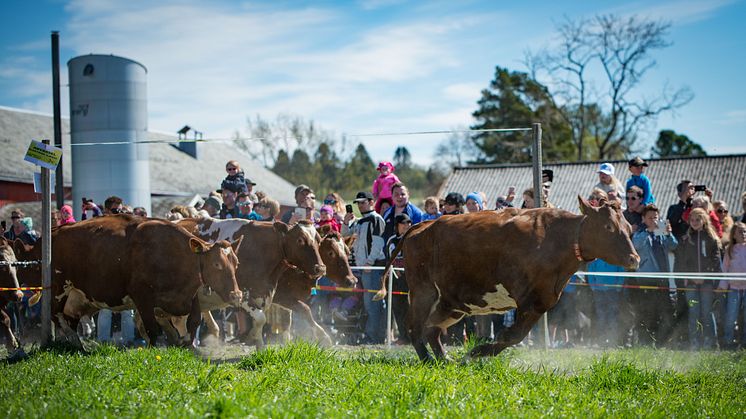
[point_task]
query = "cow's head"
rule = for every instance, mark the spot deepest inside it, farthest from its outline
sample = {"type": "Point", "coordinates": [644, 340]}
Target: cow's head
{"type": "Point", "coordinates": [8, 278]}
{"type": "Point", "coordinates": [300, 244]}
{"type": "Point", "coordinates": [334, 253]}
{"type": "Point", "coordinates": [218, 266]}
{"type": "Point", "coordinates": [605, 234]}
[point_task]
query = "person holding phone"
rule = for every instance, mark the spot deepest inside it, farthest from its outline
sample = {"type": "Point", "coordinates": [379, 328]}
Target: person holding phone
{"type": "Point", "coordinates": [305, 201]}
{"type": "Point", "coordinates": [652, 307]}
{"type": "Point", "coordinates": [368, 251]}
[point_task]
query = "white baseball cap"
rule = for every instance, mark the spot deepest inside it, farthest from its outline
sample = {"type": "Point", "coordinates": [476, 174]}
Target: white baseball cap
{"type": "Point", "coordinates": [606, 168]}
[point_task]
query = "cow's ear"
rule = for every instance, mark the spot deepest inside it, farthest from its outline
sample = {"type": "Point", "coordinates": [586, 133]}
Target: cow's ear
{"type": "Point", "coordinates": [281, 227]}
{"type": "Point", "coordinates": [325, 229]}
{"type": "Point", "coordinates": [198, 246]}
{"type": "Point", "coordinates": [583, 205]}
{"type": "Point", "coordinates": [236, 244]}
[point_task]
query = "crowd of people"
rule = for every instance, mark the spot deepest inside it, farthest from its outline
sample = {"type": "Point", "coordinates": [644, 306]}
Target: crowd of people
{"type": "Point", "coordinates": [697, 235]}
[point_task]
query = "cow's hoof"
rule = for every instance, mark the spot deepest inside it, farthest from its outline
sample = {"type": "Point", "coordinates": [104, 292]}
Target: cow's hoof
{"type": "Point", "coordinates": [17, 356]}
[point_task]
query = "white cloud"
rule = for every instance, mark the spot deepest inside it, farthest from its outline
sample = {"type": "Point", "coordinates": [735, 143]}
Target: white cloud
{"type": "Point", "coordinates": [734, 117]}
{"type": "Point", "coordinates": [679, 12]}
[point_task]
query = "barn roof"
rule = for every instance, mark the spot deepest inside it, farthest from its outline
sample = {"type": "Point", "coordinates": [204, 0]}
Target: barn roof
{"type": "Point", "coordinates": [725, 175]}
{"type": "Point", "coordinates": [172, 172]}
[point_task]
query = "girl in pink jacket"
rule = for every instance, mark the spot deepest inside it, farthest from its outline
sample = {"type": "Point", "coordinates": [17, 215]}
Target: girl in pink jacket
{"type": "Point", "coordinates": [383, 183]}
{"type": "Point", "coordinates": [735, 261]}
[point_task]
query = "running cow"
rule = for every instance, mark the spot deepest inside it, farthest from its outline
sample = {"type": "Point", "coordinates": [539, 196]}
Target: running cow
{"type": "Point", "coordinates": [294, 286]}
{"type": "Point", "coordinates": [267, 250]}
{"type": "Point", "coordinates": [123, 262]}
{"type": "Point", "coordinates": [522, 260]}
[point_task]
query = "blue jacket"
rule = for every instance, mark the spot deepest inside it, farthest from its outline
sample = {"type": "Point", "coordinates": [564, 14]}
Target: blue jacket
{"type": "Point", "coordinates": [644, 246]}
{"type": "Point", "coordinates": [643, 183]}
{"type": "Point", "coordinates": [414, 213]}
{"type": "Point", "coordinates": [600, 265]}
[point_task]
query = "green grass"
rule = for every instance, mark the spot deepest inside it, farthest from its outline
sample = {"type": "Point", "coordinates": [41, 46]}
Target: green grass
{"type": "Point", "coordinates": [302, 380]}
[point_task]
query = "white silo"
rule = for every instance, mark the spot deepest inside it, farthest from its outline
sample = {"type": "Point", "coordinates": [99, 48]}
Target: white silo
{"type": "Point", "coordinates": [108, 104]}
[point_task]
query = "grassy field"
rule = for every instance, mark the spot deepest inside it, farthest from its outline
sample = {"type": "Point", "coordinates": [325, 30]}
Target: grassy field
{"type": "Point", "coordinates": [302, 380]}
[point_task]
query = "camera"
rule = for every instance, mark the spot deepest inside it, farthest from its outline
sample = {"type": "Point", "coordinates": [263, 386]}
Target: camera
{"type": "Point", "coordinates": [700, 188]}
{"type": "Point", "coordinates": [348, 208]}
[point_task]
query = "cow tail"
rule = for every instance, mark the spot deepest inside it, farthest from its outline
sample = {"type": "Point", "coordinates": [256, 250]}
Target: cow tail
{"type": "Point", "coordinates": [381, 294]}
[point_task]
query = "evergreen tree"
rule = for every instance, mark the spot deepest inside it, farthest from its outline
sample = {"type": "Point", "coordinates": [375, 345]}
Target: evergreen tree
{"type": "Point", "coordinates": [671, 144]}
{"type": "Point", "coordinates": [514, 100]}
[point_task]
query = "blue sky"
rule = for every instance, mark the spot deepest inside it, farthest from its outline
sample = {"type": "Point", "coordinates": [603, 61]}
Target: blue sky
{"type": "Point", "coordinates": [364, 66]}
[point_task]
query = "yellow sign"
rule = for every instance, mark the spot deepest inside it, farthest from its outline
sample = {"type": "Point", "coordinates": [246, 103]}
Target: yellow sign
{"type": "Point", "coordinates": [40, 154]}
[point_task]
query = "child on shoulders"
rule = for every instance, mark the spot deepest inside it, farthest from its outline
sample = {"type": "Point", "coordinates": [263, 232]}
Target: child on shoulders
{"type": "Point", "coordinates": [383, 183]}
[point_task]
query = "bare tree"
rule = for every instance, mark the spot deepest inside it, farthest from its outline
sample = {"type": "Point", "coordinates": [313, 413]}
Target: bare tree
{"type": "Point", "coordinates": [457, 149]}
{"type": "Point", "coordinates": [287, 132]}
{"type": "Point", "coordinates": [608, 113]}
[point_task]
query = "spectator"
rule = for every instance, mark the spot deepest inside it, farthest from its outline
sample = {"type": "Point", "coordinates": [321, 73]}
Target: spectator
{"type": "Point", "coordinates": [529, 202]}
{"type": "Point", "coordinates": [638, 178]}
{"type": "Point", "coordinates": [509, 198]}
{"type": "Point", "coordinates": [431, 209]}
{"type": "Point", "coordinates": [679, 227]}
{"type": "Point", "coordinates": [402, 205]}
{"type": "Point", "coordinates": [384, 183]}
{"type": "Point", "coordinates": [453, 204]}
{"type": "Point", "coordinates": [474, 202]}
{"type": "Point", "coordinates": [502, 203]}
{"type": "Point", "coordinates": [701, 252]}
{"type": "Point", "coordinates": [113, 205]}
{"type": "Point", "coordinates": [368, 251]}
{"type": "Point", "coordinates": [246, 207]}
{"type": "Point", "coordinates": [399, 303]}
{"type": "Point", "coordinates": [66, 215]}
{"type": "Point", "coordinates": [703, 202]}
{"type": "Point", "coordinates": [55, 217]}
{"type": "Point", "coordinates": [652, 308]}
{"type": "Point", "coordinates": [726, 222]}
{"type": "Point", "coordinates": [21, 228]}
{"type": "Point", "coordinates": [607, 182]}
{"type": "Point", "coordinates": [735, 262]}
{"type": "Point", "coordinates": [140, 211]}
{"type": "Point", "coordinates": [268, 209]}
{"type": "Point", "coordinates": [742, 217]}
{"type": "Point", "coordinates": [633, 213]}
{"type": "Point", "coordinates": [250, 191]}
{"type": "Point", "coordinates": [235, 181]}
{"type": "Point", "coordinates": [229, 209]}
{"type": "Point", "coordinates": [383, 205]}
{"type": "Point", "coordinates": [337, 204]}
{"type": "Point", "coordinates": [326, 217]}
{"type": "Point", "coordinates": [89, 205]}
{"type": "Point", "coordinates": [212, 205]}
{"type": "Point", "coordinates": [675, 215]}
{"type": "Point", "coordinates": [304, 199]}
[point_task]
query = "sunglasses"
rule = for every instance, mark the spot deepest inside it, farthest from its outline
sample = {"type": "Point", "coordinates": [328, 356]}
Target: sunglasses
{"type": "Point", "coordinates": [329, 202]}
{"type": "Point", "coordinates": [244, 204]}
{"type": "Point", "coordinates": [15, 218]}
{"type": "Point", "coordinates": [632, 198]}
{"type": "Point", "coordinates": [722, 210]}
{"type": "Point", "coordinates": [230, 169]}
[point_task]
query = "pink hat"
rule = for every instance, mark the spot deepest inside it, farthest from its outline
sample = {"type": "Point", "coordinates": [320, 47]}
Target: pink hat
{"type": "Point", "coordinates": [383, 164]}
{"type": "Point", "coordinates": [327, 208]}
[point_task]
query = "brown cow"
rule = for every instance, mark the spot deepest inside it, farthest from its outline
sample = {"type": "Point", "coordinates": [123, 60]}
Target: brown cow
{"type": "Point", "coordinates": [266, 249]}
{"type": "Point", "coordinates": [8, 279]}
{"type": "Point", "coordinates": [294, 286]}
{"type": "Point", "coordinates": [489, 262]}
{"type": "Point", "coordinates": [123, 262]}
